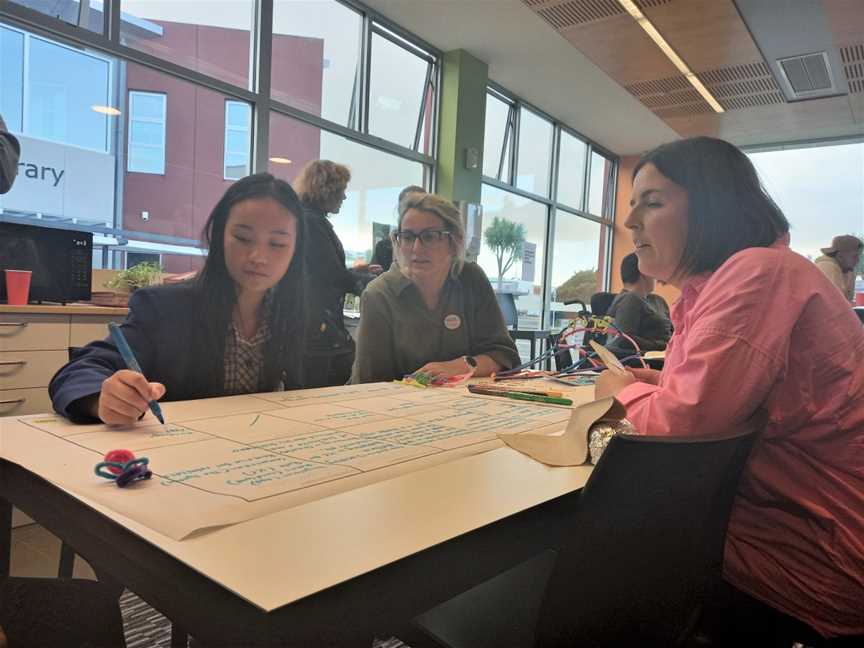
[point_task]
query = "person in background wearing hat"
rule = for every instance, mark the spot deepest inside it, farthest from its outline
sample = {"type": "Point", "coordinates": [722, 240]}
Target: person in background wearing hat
{"type": "Point", "coordinates": [838, 263]}
{"type": "Point", "coordinates": [10, 149]}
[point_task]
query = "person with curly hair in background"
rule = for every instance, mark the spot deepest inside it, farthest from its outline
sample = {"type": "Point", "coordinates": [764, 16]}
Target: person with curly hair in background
{"type": "Point", "coordinates": [329, 352]}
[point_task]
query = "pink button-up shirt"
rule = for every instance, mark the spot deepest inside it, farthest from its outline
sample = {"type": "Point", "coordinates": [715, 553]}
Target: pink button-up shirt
{"type": "Point", "coordinates": [768, 330]}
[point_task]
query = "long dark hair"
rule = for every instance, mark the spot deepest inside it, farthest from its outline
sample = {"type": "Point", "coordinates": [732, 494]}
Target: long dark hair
{"type": "Point", "coordinates": [729, 209]}
{"type": "Point", "coordinates": [218, 295]}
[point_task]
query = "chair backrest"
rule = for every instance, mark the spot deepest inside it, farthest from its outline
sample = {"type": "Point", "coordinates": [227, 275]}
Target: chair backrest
{"type": "Point", "coordinates": [507, 302]}
{"type": "Point", "coordinates": [646, 542]}
{"type": "Point", "coordinates": [600, 303]}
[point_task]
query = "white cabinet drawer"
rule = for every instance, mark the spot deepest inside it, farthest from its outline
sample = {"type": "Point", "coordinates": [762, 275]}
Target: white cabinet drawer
{"type": "Point", "coordinates": [18, 402]}
{"type": "Point", "coordinates": [33, 332]}
{"type": "Point", "coordinates": [22, 369]}
{"type": "Point", "coordinates": [86, 328]}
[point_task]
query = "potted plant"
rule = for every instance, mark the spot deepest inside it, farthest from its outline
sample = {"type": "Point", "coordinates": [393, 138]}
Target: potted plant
{"type": "Point", "coordinates": [125, 282]}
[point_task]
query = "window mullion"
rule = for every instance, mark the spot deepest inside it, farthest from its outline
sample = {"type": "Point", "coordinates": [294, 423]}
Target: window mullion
{"type": "Point", "coordinates": [426, 84]}
{"type": "Point", "coordinates": [262, 48]}
{"type": "Point", "coordinates": [365, 74]}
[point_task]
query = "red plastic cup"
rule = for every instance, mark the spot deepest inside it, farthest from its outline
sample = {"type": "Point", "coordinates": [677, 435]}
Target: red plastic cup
{"type": "Point", "coordinates": [18, 286]}
{"type": "Point", "coordinates": [859, 299]}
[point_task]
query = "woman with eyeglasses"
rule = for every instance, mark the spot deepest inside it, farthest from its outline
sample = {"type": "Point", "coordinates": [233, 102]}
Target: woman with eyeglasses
{"type": "Point", "coordinates": [431, 312]}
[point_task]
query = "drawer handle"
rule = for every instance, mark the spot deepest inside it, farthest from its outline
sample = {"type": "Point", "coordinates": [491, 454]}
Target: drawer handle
{"type": "Point", "coordinates": [13, 402]}
{"type": "Point", "coordinates": [13, 324]}
{"type": "Point", "coordinates": [7, 363]}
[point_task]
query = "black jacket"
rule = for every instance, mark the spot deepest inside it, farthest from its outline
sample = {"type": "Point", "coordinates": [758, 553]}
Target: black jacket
{"type": "Point", "coordinates": [163, 330]}
{"type": "Point", "coordinates": [9, 152]}
{"type": "Point", "coordinates": [327, 281]}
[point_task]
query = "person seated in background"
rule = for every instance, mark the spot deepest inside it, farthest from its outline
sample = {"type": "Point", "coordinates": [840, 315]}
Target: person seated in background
{"type": "Point", "coordinates": [633, 315]}
{"type": "Point", "coordinates": [660, 306]}
{"type": "Point", "coordinates": [431, 312]}
{"type": "Point", "coordinates": [751, 333]}
{"type": "Point", "coordinates": [383, 252]}
{"type": "Point", "coordinates": [839, 261]}
{"type": "Point", "coordinates": [10, 150]}
{"type": "Point", "coordinates": [329, 352]}
{"type": "Point", "coordinates": [236, 328]}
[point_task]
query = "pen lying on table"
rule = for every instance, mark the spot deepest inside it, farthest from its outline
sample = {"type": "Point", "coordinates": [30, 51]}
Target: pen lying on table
{"type": "Point", "coordinates": [475, 389]}
{"type": "Point", "coordinates": [521, 390]}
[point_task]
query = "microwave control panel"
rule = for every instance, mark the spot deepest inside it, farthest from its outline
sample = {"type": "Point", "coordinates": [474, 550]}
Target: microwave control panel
{"type": "Point", "coordinates": [80, 262]}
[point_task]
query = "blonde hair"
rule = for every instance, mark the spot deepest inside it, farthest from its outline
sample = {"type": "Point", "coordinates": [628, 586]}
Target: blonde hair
{"type": "Point", "coordinates": [447, 212]}
{"type": "Point", "coordinates": [321, 183]}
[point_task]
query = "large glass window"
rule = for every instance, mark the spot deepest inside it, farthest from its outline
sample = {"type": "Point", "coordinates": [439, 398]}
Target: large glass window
{"type": "Point", "coordinates": [11, 78]}
{"type": "Point", "coordinates": [512, 250]}
{"type": "Point", "coordinates": [820, 190]}
{"type": "Point", "coordinates": [397, 91]}
{"type": "Point", "coordinates": [376, 179]}
{"type": "Point", "coordinates": [316, 57]}
{"type": "Point", "coordinates": [238, 142]}
{"type": "Point", "coordinates": [577, 263]}
{"type": "Point", "coordinates": [165, 213]}
{"type": "Point", "coordinates": [146, 132]}
{"type": "Point", "coordinates": [601, 185]}
{"type": "Point", "coordinates": [67, 93]}
{"type": "Point", "coordinates": [140, 155]}
{"type": "Point", "coordinates": [497, 138]}
{"type": "Point", "coordinates": [578, 246]}
{"type": "Point", "coordinates": [209, 37]}
{"type": "Point", "coordinates": [571, 170]}
{"type": "Point", "coordinates": [534, 158]}
{"type": "Point", "coordinates": [87, 15]}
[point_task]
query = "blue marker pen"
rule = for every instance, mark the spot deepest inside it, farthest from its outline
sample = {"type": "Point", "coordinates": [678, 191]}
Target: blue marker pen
{"type": "Point", "coordinates": [129, 358]}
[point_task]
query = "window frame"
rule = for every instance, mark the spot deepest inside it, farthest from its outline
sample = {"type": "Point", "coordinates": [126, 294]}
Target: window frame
{"type": "Point", "coordinates": [163, 122]}
{"type": "Point", "coordinates": [606, 220]}
{"type": "Point", "coordinates": [107, 43]}
{"type": "Point", "coordinates": [26, 81]}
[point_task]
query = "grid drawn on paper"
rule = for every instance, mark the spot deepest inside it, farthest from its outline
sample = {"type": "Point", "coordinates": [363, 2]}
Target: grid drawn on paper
{"type": "Point", "coordinates": [300, 439]}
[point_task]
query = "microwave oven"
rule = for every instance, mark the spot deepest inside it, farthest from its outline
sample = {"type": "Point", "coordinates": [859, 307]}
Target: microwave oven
{"type": "Point", "coordinates": [61, 261]}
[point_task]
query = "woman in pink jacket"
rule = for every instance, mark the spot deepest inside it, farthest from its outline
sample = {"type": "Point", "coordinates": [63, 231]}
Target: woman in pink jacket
{"type": "Point", "coordinates": [757, 326]}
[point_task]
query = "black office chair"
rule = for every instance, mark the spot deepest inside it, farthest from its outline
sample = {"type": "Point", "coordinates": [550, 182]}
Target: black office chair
{"type": "Point", "coordinates": [645, 546]}
{"type": "Point", "coordinates": [600, 303]}
{"type": "Point", "coordinates": [65, 613]}
{"type": "Point", "coordinates": [507, 303]}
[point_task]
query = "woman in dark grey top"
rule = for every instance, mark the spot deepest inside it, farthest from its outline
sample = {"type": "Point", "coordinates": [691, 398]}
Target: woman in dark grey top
{"type": "Point", "coordinates": [431, 311]}
{"type": "Point", "coordinates": [634, 315]}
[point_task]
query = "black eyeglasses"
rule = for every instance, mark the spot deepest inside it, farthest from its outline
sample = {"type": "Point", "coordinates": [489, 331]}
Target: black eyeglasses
{"type": "Point", "coordinates": [406, 238]}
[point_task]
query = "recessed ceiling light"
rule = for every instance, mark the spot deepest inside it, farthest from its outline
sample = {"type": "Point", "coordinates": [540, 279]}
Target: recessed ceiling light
{"type": "Point", "coordinates": [106, 110]}
{"type": "Point", "coordinates": [280, 160]}
{"type": "Point", "coordinates": [631, 8]}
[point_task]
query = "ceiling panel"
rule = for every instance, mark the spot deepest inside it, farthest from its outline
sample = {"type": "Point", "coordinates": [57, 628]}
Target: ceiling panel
{"type": "Point", "coordinates": [846, 21]}
{"type": "Point", "coordinates": [620, 48]}
{"type": "Point", "coordinates": [705, 33]}
{"type": "Point", "coordinates": [712, 38]}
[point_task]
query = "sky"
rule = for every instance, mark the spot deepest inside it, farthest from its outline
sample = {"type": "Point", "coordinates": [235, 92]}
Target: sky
{"type": "Point", "coordinates": [820, 189]}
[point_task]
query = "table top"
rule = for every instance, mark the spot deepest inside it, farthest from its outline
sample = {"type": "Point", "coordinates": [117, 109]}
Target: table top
{"type": "Point", "coordinates": [277, 559]}
{"type": "Point", "coordinates": [57, 309]}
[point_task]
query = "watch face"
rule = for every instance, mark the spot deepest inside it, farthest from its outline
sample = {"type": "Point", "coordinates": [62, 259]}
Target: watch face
{"type": "Point", "coordinates": [471, 361]}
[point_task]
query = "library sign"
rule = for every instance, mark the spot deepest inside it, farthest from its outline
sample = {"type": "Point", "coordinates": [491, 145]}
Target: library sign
{"type": "Point", "coordinates": [62, 181]}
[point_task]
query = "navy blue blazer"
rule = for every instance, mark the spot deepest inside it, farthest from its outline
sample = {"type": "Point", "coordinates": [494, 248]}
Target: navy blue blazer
{"type": "Point", "coordinates": [165, 335]}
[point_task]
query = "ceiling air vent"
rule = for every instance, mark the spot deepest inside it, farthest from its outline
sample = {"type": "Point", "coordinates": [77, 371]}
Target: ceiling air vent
{"type": "Point", "coordinates": [808, 76]}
